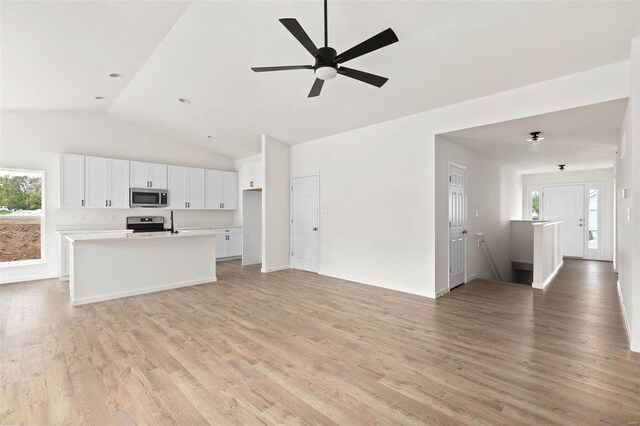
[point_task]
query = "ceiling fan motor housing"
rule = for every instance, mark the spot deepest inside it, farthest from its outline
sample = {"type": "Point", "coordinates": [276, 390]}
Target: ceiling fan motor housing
{"type": "Point", "coordinates": [325, 68]}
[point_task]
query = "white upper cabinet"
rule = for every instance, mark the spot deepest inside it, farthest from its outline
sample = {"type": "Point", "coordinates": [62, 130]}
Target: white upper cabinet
{"type": "Point", "coordinates": [119, 178]}
{"type": "Point", "coordinates": [222, 190]}
{"type": "Point", "coordinates": [186, 188]}
{"type": "Point", "coordinates": [230, 190]}
{"type": "Point", "coordinates": [106, 183]}
{"type": "Point", "coordinates": [252, 175]}
{"type": "Point", "coordinates": [95, 182]}
{"type": "Point", "coordinates": [148, 175]}
{"type": "Point", "coordinates": [196, 188]}
{"type": "Point", "coordinates": [71, 188]}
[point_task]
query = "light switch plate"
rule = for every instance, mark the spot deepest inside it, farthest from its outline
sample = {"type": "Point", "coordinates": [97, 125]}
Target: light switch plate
{"type": "Point", "coordinates": [625, 193]}
{"type": "Point", "coordinates": [476, 214]}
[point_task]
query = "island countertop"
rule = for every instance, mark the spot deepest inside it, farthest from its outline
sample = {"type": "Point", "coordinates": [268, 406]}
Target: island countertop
{"type": "Point", "coordinates": [129, 236]}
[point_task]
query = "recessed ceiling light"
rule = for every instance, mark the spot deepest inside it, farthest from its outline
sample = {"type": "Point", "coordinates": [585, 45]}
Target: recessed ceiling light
{"type": "Point", "coordinates": [184, 101]}
{"type": "Point", "coordinates": [100, 97]}
{"type": "Point", "coordinates": [115, 75]}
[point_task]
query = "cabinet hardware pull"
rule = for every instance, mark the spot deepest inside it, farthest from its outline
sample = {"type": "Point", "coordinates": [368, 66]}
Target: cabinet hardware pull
{"type": "Point", "coordinates": [251, 184]}
{"type": "Point", "coordinates": [223, 205]}
{"type": "Point", "coordinates": [83, 202]}
{"type": "Point", "coordinates": [109, 203]}
{"type": "Point", "coordinates": [106, 203]}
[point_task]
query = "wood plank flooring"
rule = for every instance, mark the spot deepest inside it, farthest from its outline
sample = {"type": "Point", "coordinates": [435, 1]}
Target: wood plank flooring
{"type": "Point", "coordinates": [292, 347]}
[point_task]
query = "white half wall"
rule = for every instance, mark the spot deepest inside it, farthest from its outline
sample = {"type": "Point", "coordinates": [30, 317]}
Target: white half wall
{"type": "Point", "coordinates": [275, 205]}
{"type": "Point", "coordinates": [33, 140]}
{"type": "Point", "coordinates": [583, 176]}
{"type": "Point", "coordinates": [377, 184]}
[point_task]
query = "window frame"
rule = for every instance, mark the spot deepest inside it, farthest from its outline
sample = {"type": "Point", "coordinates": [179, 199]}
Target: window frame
{"type": "Point", "coordinates": [42, 259]}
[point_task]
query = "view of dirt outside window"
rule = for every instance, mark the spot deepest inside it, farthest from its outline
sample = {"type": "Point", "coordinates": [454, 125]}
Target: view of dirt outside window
{"type": "Point", "coordinates": [21, 215]}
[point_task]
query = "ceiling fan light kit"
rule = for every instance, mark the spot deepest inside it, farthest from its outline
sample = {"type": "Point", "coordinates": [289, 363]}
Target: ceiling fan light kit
{"type": "Point", "coordinates": [535, 137]}
{"type": "Point", "coordinates": [328, 63]}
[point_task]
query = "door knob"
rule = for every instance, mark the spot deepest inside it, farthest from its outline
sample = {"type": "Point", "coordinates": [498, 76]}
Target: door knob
{"type": "Point", "coordinates": [464, 232]}
{"type": "Point", "coordinates": [580, 225]}
{"type": "Point", "coordinates": [315, 229]}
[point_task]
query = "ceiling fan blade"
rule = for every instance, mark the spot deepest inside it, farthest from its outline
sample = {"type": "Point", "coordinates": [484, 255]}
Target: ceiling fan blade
{"type": "Point", "coordinates": [365, 77]}
{"type": "Point", "coordinates": [283, 68]}
{"type": "Point", "coordinates": [376, 42]}
{"type": "Point", "coordinates": [316, 88]}
{"type": "Point", "coordinates": [299, 33]}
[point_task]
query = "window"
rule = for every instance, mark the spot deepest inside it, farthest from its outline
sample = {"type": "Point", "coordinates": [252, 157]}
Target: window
{"type": "Point", "coordinates": [593, 219]}
{"type": "Point", "coordinates": [535, 205]}
{"type": "Point", "coordinates": [21, 216]}
{"type": "Point", "coordinates": [534, 194]}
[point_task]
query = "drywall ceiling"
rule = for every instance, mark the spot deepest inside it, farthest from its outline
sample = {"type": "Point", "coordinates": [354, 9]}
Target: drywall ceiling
{"type": "Point", "coordinates": [57, 55]}
{"type": "Point", "coordinates": [582, 138]}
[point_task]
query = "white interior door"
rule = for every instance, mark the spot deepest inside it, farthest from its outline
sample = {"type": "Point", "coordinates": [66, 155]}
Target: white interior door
{"type": "Point", "coordinates": [566, 203]}
{"type": "Point", "coordinates": [457, 225]}
{"type": "Point", "coordinates": [304, 220]}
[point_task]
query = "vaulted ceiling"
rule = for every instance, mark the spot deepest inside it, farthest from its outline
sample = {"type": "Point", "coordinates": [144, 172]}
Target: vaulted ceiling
{"type": "Point", "coordinates": [58, 55]}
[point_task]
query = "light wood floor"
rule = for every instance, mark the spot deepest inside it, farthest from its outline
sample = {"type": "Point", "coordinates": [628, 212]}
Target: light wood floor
{"type": "Point", "coordinates": [292, 347]}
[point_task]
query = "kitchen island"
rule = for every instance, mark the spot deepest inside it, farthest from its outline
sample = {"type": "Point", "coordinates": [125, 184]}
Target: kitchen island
{"type": "Point", "coordinates": [106, 266]}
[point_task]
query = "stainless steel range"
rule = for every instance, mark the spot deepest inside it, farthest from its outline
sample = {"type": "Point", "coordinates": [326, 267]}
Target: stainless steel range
{"type": "Point", "coordinates": [146, 223]}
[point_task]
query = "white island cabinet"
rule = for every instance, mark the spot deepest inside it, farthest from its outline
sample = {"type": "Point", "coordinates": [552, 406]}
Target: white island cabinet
{"type": "Point", "coordinates": [106, 266]}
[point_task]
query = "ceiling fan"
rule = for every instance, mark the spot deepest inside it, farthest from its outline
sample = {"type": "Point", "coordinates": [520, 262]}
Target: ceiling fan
{"type": "Point", "coordinates": [328, 63]}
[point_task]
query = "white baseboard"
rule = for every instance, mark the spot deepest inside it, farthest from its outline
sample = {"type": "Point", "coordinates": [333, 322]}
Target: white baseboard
{"type": "Point", "coordinates": [472, 277]}
{"type": "Point", "coordinates": [442, 292]}
{"type": "Point", "coordinates": [29, 278]}
{"type": "Point", "coordinates": [128, 293]}
{"type": "Point", "coordinates": [626, 319]}
{"type": "Point", "coordinates": [273, 269]}
{"type": "Point", "coordinates": [357, 280]}
{"type": "Point", "coordinates": [546, 282]}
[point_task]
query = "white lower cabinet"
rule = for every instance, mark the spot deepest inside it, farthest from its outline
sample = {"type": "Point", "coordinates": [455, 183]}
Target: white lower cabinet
{"type": "Point", "coordinates": [229, 243]}
{"type": "Point", "coordinates": [63, 260]}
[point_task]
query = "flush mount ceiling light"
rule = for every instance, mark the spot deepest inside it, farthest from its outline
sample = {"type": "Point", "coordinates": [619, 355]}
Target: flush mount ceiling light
{"type": "Point", "coordinates": [115, 75]}
{"type": "Point", "coordinates": [184, 101]}
{"type": "Point", "coordinates": [328, 63]}
{"type": "Point", "coordinates": [535, 137]}
{"type": "Point", "coordinates": [561, 167]}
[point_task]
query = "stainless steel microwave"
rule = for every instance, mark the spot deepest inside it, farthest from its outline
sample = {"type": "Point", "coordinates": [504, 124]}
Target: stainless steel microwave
{"type": "Point", "coordinates": [148, 197]}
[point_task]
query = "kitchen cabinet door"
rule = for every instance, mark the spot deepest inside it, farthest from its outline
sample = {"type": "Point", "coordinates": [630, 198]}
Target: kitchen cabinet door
{"type": "Point", "coordinates": [158, 175]}
{"type": "Point", "coordinates": [96, 179]}
{"type": "Point", "coordinates": [119, 184]}
{"type": "Point", "coordinates": [196, 185]}
{"type": "Point", "coordinates": [234, 245]}
{"type": "Point", "coordinates": [214, 189]}
{"type": "Point", "coordinates": [178, 183]}
{"type": "Point", "coordinates": [252, 175]}
{"type": "Point", "coordinates": [71, 185]}
{"type": "Point", "coordinates": [221, 246]}
{"type": "Point", "coordinates": [138, 174]}
{"type": "Point", "coordinates": [229, 190]}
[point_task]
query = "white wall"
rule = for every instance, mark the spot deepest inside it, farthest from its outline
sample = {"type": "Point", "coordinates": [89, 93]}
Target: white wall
{"type": "Point", "coordinates": [34, 139]}
{"type": "Point", "coordinates": [488, 193]}
{"type": "Point", "coordinates": [628, 224]}
{"type": "Point", "coordinates": [584, 176]}
{"type": "Point", "coordinates": [377, 184]}
{"type": "Point", "coordinates": [275, 205]}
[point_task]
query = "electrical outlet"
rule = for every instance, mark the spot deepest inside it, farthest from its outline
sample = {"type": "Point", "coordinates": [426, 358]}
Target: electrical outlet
{"type": "Point", "coordinates": [82, 217]}
{"type": "Point", "coordinates": [477, 214]}
{"type": "Point", "coordinates": [114, 217]}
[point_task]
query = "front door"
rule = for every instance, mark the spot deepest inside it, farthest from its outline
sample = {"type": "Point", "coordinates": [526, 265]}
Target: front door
{"type": "Point", "coordinates": [566, 203]}
{"type": "Point", "coordinates": [304, 223]}
{"type": "Point", "coordinates": [457, 225]}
